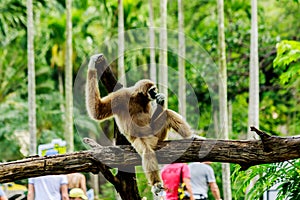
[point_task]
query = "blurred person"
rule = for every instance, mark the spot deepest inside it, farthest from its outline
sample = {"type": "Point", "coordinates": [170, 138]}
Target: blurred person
{"type": "Point", "coordinates": [2, 195]}
{"type": "Point", "coordinates": [76, 180]}
{"type": "Point", "coordinates": [51, 187]}
{"type": "Point", "coordinates": [170, 175]}
{"type": "Point", "coordinates": [77, 194]}
{"type": "Point", "coordinates": [203, 178]}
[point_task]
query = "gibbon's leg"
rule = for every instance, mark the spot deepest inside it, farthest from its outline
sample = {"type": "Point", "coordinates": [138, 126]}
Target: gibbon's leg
{"type": "Point", "coordinates": [97, 108]}
{"type": "Point", "coordinates": [144, 146]}
{"type": "Point", "coordinates": [176, 122]}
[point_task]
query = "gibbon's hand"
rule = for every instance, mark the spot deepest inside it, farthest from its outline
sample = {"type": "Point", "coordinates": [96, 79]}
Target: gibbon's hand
{"type": "Point", "coordinates": [160, 99]}
{"type": "Point", "coordinates": [93, 60]}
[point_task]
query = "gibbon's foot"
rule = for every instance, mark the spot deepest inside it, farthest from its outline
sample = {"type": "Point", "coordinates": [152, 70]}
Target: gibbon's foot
{"type": "Point", "coordinates": [157, 188]}
{"type": "Point", "coordinates": [194, 136]}
{"type": "Point", "coordinates": [160, 99]}
{"type": "Point", "coordinates": [93, 60]}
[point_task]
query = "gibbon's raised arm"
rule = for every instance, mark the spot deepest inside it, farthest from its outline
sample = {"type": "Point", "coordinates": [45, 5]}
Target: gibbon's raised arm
{"type": "Point", "coordinates": [97, 108]}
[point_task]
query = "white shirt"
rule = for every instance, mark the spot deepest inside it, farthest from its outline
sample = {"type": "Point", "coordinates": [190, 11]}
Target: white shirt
{"type": "Point", "coordinates": [48, 187]}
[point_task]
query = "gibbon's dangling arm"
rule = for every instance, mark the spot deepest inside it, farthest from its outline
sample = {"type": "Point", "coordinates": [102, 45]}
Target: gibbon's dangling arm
{"type": "Point", "coordinates": [163, 119]}
{"type": "Point", "coordinates": [159, 116]}
{"type": "Point", "coordinates": [97, 108]}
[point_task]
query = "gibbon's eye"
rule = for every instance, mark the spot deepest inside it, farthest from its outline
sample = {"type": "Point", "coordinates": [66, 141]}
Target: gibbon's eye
{"type": "Point", "coordinates": [152, 92]}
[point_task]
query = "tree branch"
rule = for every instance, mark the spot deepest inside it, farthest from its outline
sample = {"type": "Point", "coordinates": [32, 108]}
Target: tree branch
{"type": "Point", "coordinates": [245, 153]}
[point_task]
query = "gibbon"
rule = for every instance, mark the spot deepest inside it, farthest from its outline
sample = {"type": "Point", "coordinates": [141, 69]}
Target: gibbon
{"type": "Point", "coordinates": [132, 109]}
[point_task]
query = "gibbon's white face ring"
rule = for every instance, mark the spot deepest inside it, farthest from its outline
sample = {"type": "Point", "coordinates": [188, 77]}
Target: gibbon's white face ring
{"type": "Point", "coordinates": [152, 93]}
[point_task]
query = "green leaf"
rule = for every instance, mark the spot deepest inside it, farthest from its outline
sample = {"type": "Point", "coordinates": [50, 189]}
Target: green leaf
{"type": "Point", "coordinates": [288, 59]}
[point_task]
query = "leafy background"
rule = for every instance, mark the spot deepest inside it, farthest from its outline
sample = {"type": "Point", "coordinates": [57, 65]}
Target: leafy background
{"type": "Point", "coordinates": [96, 21]}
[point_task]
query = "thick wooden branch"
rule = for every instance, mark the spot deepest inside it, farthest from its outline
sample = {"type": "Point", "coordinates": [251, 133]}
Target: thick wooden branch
{"type": "Point", "coordinates": [245, 153]}
{"type": "Point", "coordinates": [39, 166]}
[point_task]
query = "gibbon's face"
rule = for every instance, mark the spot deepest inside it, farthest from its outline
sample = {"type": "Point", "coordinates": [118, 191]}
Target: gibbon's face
{"type": "Point", "coordinates": [148, 88]}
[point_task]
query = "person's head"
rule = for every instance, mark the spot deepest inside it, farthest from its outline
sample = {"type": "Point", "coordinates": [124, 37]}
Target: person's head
{"type": "Point", "coordinates": [77, 194]}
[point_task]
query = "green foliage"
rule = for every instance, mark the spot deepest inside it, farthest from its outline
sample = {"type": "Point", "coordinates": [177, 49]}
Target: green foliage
{"type": "Point", "coordinates": [284, 176]}
{"type": "Point", "coordinates": [13, 119]}
{"type": "Point", "coordinates": [11, 77]}
{"type": "Point", "coordinates": [13, 16]}
{"type": "Point", "coordinates": [49, 117]}
{"type": "Point", "coordinates": [289, 180]}
{"type": "Point", "coordinates": [239, 118]}
{"type": "Point", "coordinates": [143, 186]}
{"type": "Point", "coordinates": [288, 60]}
{"type": "Point", "coordinates": [13, 108]}
{"type": "Point", "coordinates": [217, 167]}
{"type": "Point", "coordinates": [108, 192]}
{"type": "Point", "coordinates": [95, 23]}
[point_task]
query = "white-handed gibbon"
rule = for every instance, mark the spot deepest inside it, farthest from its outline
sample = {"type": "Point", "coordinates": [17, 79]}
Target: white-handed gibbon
{"type": "Point", "coordinates": [132, 109]}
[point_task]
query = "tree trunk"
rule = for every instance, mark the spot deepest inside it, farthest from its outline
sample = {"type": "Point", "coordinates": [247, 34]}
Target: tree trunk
{"type": "Point", "coordinates": [223, 98]}
{"type": "Point", "coordinates": [61, 91]}
{"type": "Point", "coordinates": [95, 184]}
{"type": "Point", "coordinates": [121, 43]}
{"type": "Point", "coordinates": [31, 80]}
{"type": "Point", "coordinates": [69, 136]}
{"type": "Point", "coordinates": [94, 177]}
{"type": "Point", "coordinates": [163, 55]}
{"type": "Point", "coordinates": [152, 44]}
{"type": "Point", "coordinates": [125, 182]}
{"type": "Point", "coordinates": [253, 113]}
{"type": "Point", "coordinates": [181, 59]}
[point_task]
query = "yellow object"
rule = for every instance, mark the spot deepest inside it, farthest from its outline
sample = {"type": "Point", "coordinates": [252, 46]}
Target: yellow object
{"type": "Point", "coordinates": [14, 186]}
{"type": "Point", "coordinates": [77, 192]}
{"type": "Point", "coordinates": [181, 191]}
{"type": "Point", "coordinates": [56, 144]}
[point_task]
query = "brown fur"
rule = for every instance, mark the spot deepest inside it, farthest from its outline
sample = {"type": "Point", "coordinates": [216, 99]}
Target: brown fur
{"type": "Point", "coordinates": [133, 113]}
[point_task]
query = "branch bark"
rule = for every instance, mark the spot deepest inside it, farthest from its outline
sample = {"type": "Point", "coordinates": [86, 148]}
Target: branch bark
{"type": "Point", "coordinates": [246, 153]}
